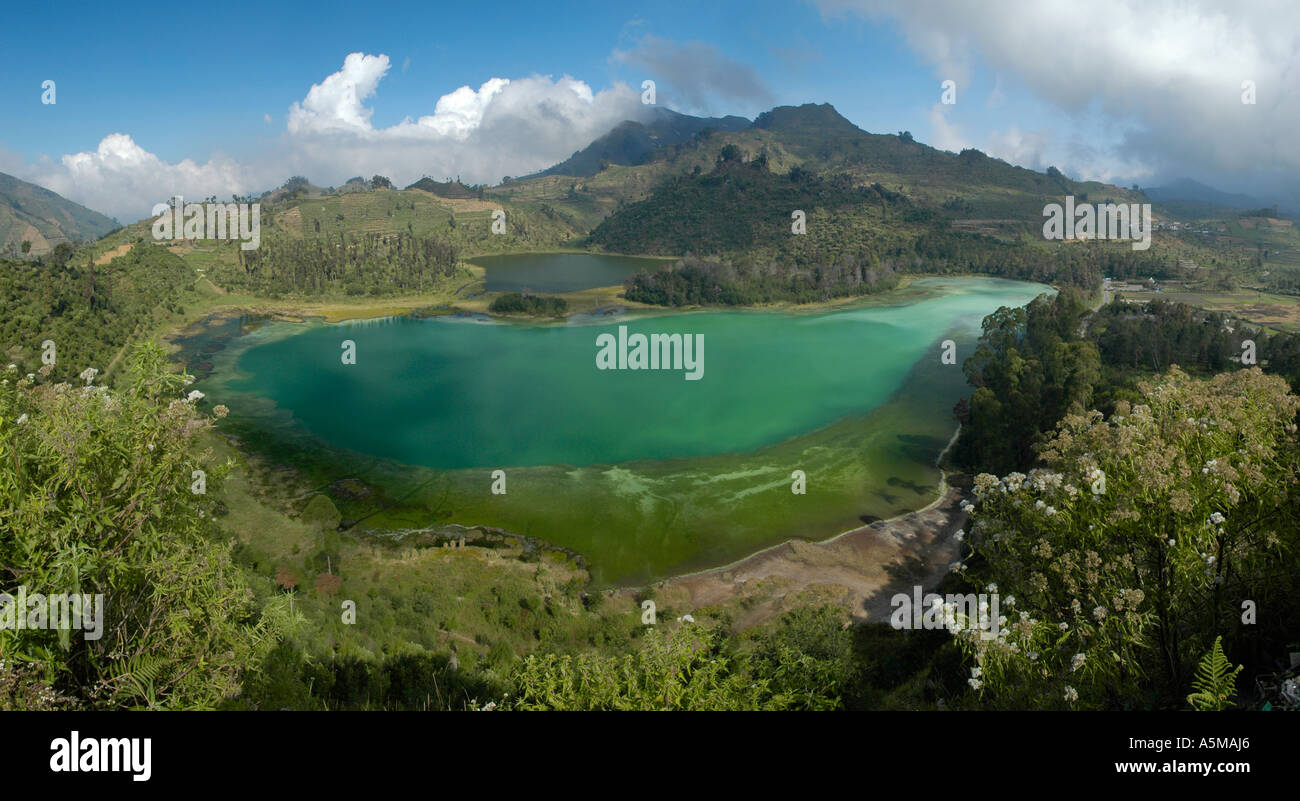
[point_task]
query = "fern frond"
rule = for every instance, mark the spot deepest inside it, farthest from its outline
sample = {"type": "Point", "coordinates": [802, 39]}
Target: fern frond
{"type": "Point", "coordinates": [1215, 681]}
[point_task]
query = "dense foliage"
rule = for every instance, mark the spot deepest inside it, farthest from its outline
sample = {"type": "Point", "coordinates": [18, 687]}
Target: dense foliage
{"type": "Point", "coordinates": [704, 282]}
{"type": "Point", "coordinates": [1029, 369]}
{"type": "Point", "coordinates": [1035, 364]}
{"type": "Point", "coordinates": [1148, 535]}
{"type": "Point", "coordinates": [355, 265]}
{"type": "Point", "coordinates": [88, 311]}
{"type": "Point", "coordinates": [525, 303]}
{"type": "Point", "coordinates": [105, 492]}
{"type": "Point", "coordinates": [734, 223]}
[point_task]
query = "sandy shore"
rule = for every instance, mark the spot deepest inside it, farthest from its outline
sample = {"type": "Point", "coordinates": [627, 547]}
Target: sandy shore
{"type": "Point", "coordinates": [861, 569]}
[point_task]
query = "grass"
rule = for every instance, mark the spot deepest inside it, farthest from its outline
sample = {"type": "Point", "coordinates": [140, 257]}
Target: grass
{"type": "Point", "coordinates": [1272, 311]}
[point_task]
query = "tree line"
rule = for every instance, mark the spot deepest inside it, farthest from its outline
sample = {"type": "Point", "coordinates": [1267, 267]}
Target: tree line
{"type": "Point", "coordinates": [351, 264]}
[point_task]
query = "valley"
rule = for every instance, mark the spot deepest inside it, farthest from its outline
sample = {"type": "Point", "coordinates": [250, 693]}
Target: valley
{"type": "Point", "coordinates": [504, 470]}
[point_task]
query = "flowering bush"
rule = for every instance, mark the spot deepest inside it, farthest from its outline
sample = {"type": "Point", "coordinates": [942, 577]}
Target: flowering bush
{"type": "Point", "coordinates": [98, 496]}
{"type": "Point", "coordinates": [1138, 542]}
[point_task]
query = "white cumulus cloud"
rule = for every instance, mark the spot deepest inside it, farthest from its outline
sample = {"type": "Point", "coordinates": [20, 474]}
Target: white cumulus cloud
{"type": "Point", "coordinates": [504, 127]}
{"type": "Point", "coordinates": [124, 180]}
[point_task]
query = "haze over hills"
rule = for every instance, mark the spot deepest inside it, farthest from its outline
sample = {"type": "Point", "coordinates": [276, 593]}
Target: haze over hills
{"type": "Point", "coordinates": [1193, 198]}
{"type": "Point", "coordinates": [965, 192]}
{"type": "Point", "coordinates": [34, 214]}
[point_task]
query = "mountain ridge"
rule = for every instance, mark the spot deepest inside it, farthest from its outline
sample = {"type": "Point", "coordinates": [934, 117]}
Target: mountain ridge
{"type": "Point", "coordinates": [31, 213]}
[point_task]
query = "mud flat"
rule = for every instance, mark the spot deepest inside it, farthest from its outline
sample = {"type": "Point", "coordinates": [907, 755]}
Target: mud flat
{"type": "Point", "coordinates": [861, 569]}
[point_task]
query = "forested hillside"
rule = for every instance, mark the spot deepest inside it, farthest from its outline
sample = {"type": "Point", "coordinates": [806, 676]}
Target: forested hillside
{"type": "Point", "coordinates": [89, 311]}
{"type": "Point", "coordinates": [1053, 357]}
{"type": "Point", "coordinates": [374, 264]}
{"type": "Point", "coordinates": [856, 239]}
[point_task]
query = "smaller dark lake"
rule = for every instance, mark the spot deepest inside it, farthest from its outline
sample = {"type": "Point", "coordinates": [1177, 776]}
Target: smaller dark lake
{"type": "Point", "coordinates": [559, 272]}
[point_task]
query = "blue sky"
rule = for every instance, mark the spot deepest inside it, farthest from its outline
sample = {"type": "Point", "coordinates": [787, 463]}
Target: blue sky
{"type": "Point", "coordinates": [200, 85]}
{"type": "Point", "coordinates": [191, 84]}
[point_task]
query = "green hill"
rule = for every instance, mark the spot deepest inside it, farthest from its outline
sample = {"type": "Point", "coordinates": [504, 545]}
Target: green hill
{"type": "Point", "coordinates": [729, 192]}
{"type": "Point", "coordinates": [34, 214]}
{"type": "Point", "coordinates": [973, 191]}
{"type": "Point", "coordinates": [448, 189]}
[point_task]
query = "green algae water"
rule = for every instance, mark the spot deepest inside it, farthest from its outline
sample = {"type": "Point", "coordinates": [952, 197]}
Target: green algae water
{"type": "Point", "coordinates": [644, 472]}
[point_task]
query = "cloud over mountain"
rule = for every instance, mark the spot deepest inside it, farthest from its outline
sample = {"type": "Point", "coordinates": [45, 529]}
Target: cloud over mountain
{"type": "Point", "coordinates": [1167, 73]}
{"type": "Point", "coordinates": [505, 127]}
{"type": "Point", "coordinates": [698, 77]}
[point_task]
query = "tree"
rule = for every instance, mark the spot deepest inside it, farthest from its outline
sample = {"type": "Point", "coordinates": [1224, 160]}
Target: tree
{"type": "Point", "coordinates": [729, 153]}
{"type": "Point", "coordinates": [380, 182]}
{"type": "Point", "coordinates": [60, 255]}
{"type": "Point", "coordinates": [27, 246]}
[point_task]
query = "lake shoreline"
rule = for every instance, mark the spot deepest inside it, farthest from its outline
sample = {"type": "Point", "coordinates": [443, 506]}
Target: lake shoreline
{"type": "Point", "coordinates": [857, 569]}
{"type": "Point", "coordinates": [853, 564]}
{"type": "Point", "coordinates": [844, 452]}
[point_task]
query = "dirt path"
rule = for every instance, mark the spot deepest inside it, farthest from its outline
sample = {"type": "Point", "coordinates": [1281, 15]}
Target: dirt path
{"type": "Point", "coordinates": [861, 569]}
{"type": "Point", "coordinates": [109, 255]}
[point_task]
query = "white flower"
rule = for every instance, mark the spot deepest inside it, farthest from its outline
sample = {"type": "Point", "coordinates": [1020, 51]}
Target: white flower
{"type": "Point", "coordinates": [1217, 519]}
{"type": "Point", "coordinates": [1071, 695]}
{"type": "Point", "coordinates": [959, 535]}
{"type": "Point", "coordinates": [976, 672]}
{"type": "Point", "coordinates": [149, 446]}
{"type": "Point", "coordinates": [88, 375]}
{"type": "Point", "coordinates": [1077, 661]}
{"type": "Point", "coordinates": [975, 683]}
{"type": "Point", "coordinates": [22, 418]}
{"type": "Point", "coordinates": [194, 395]}
{"type": "Point", "coordinates": [1063, 626]}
